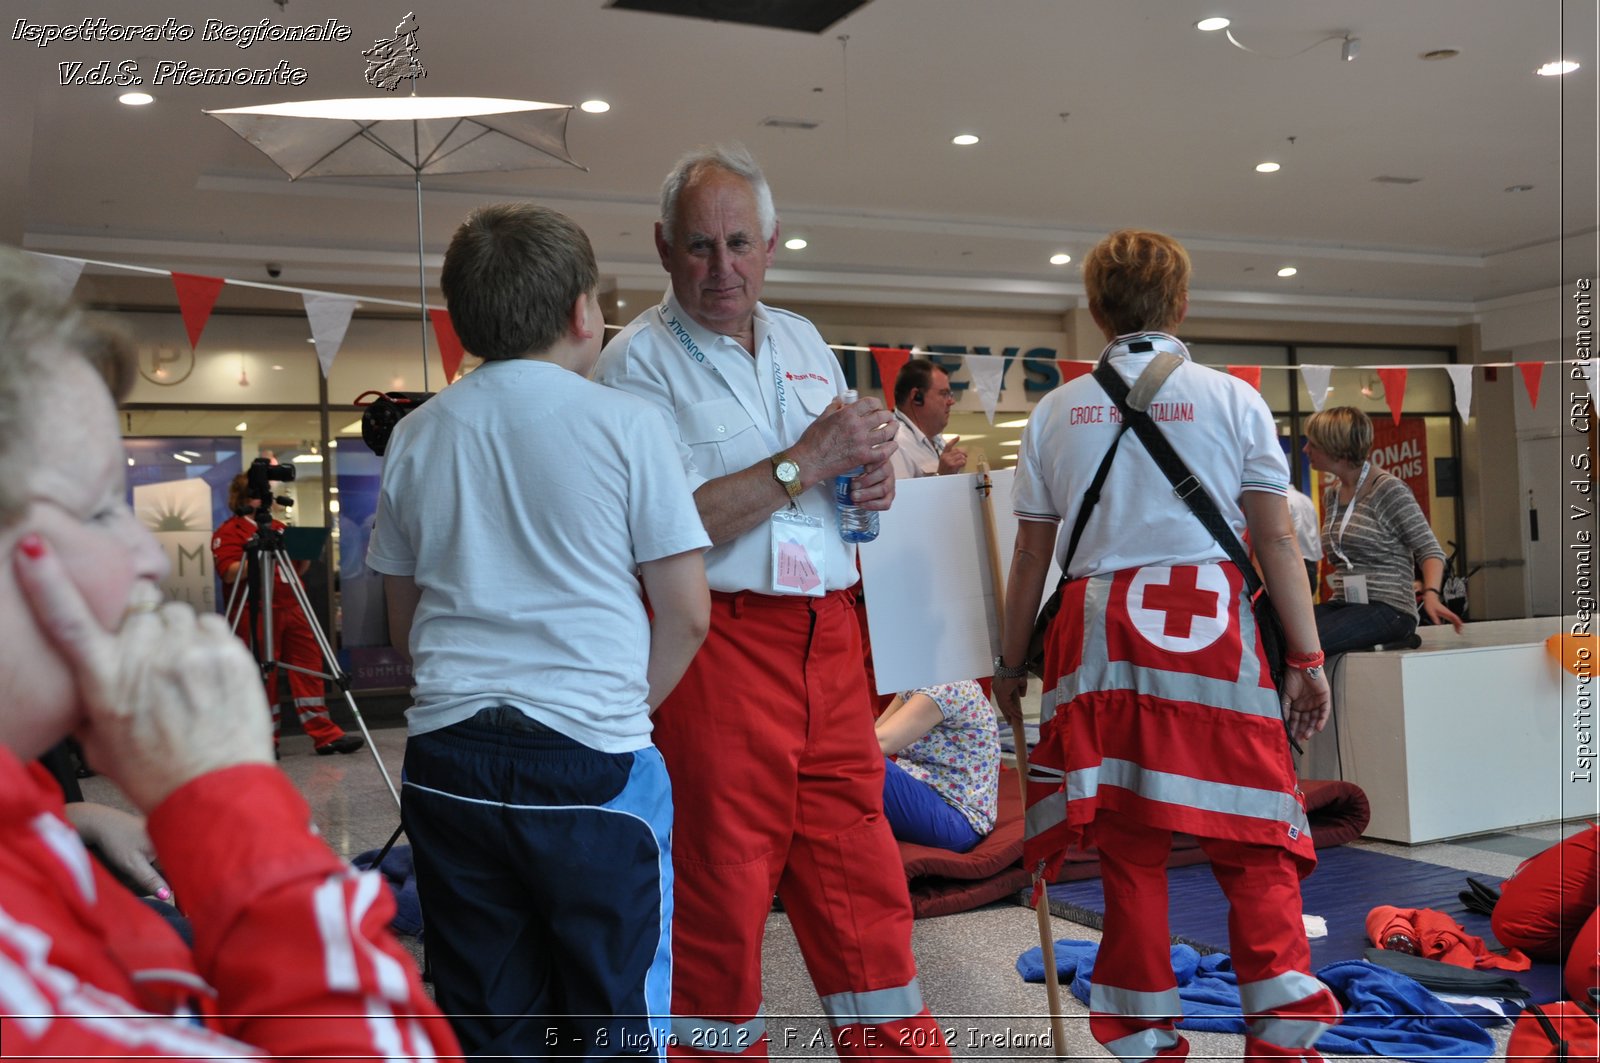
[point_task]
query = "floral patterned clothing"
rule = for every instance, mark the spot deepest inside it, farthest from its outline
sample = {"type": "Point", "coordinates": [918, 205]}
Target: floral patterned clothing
{"type": "Point", "coordinates": [960, 757]}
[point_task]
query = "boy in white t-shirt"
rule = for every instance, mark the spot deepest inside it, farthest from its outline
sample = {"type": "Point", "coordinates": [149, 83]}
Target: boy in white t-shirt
{"type": "Point", "coordinates": [521, 509]}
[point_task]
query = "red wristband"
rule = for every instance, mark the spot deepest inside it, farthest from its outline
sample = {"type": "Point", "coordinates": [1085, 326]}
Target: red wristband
{"type": "Point", "coordinates": [1302, 661]}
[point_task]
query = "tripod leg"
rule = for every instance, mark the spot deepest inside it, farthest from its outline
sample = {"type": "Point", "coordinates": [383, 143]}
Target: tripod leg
{"type": "Point", "coordinates": [335, 673]}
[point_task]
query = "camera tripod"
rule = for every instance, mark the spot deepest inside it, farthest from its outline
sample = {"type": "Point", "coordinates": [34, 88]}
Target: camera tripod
{"type": "Point", "coordinates": [265, 560]}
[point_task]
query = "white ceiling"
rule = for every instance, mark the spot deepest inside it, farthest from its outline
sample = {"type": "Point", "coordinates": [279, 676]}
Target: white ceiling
{"type": "Point", "coordinates": [1093, 114]}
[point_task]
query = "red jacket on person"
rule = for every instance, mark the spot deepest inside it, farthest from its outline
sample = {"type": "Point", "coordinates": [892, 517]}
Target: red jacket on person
{"type": "Point", "coordinates": [292, 954]}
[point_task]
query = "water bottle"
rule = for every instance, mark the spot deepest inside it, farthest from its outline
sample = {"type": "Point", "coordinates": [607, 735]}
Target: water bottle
{"type": "Point", "coordinates": [856, 525]}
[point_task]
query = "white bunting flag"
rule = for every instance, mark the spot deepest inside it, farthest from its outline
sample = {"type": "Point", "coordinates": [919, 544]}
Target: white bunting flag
{"type": "Point", "coordinates": [62, 272]}
{"type": "Point", "coordinates": [1461, 380]}
{"type": "Point", "coordinates": [1316, 381]}
{"type": "Point", "coordinates": [330, 319]}
{"type": "Point", "coordinates": [986, 375]}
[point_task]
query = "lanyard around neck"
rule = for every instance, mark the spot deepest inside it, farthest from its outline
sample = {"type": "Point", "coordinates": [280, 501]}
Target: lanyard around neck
{"type": "Point", "coordinates": [1338, 542]}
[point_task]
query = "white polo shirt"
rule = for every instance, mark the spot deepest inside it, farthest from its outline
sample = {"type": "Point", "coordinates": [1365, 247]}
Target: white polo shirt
{"type": "Point", "coordinates": [917, 454]}
{"type": "Point", "coordinates": [1219, 426]}
{"type": "Point", "coordinates": [729, 411]}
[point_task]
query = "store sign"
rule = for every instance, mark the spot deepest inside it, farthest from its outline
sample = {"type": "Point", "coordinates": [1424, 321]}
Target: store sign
{"type": "Point", "coordinates": [1402, 450]}
{"type": "Point", "coordinates": [178, 513]}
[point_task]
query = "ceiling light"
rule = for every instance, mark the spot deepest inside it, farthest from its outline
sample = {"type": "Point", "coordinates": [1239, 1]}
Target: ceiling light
{"type": "Point", "coordinates": [1267, 167]}
{"type": "Point", "coordinates": [333, 505]}
{"type": "Point", "coordinates": [1212, 24]}
{"type": "Point", "coordinates": [595, 106]}
{"type": "Point", "coordinates": [1020, 422]}
{"type": "Point", "coordinates": [130, 463]}
{"type": "Point", "coordinates": [136, 99]}
{"type": "Point", "coordinates": [278, 367]}
{"type": "Point", "coordinates": [307, 459]}
{"type": "Point", "coordinates": [622, 304]}
{"type": "Point", "coordinates": [1287, 271]}
{"type": "Point", "coordinates": [1011, 442]}
{"type": "Point", "coordinates": [964, 139]}
{"type": "Point", "coordinates": [192, 453]}
{"type": "Point", "coordinates": [333, 490]}
{"type": "Point", "coordinates": [240, 427]}
{"type": "Point", "coordinates": [1352, 48]}
{"type": "Point", "coordinates": [184, 458]}
{"type": "Point", "coordinates": [333, 444]}
{"type": "Point", "coordinates": [1061, 258]}
{"type": "Point", "coordinates": [795, 243]}
{"type": "Point", "coordinates": [1557, 68]}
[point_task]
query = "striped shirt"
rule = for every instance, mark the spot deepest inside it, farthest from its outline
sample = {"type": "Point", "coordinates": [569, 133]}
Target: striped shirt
{"type": "Point", "coordinates": [1386, 539]}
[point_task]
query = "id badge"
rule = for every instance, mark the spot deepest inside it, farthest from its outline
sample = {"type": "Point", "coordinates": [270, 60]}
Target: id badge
{"type": "Point", "coordinates": [1355, 589]}
{"type": "Point", "coordinates": [797, 553]}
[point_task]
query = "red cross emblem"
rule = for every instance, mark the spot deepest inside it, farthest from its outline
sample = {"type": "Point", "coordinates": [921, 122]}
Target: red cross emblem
{"type": "Point", "coordinates": [1182, 599]}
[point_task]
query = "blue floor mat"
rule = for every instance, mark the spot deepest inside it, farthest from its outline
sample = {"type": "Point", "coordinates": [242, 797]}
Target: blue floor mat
{"type": "Point", "coordinates": [1347, 884]}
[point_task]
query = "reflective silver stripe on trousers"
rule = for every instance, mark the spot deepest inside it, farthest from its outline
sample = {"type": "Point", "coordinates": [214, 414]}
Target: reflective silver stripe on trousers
{"type": "Point", "coordinates": [1134, 1003]}
{"type": "Point", "coordinates": [1291, 987]}
{"type": "Point", "coordinates": [1202, 794]}
{"type": "Point", "coordinates": [1246, 696]}
{"type": "Point", "coordinates": [725, 1038]}
{"type": "Point", "coordinates": [1288, 1033]}
{"type": "Point", "coordinates": [875, 1006]}
{"type": "Point", "coordinates": [1146, 1044]}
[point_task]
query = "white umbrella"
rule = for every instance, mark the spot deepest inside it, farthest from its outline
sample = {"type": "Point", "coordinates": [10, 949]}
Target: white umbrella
{"type": "Point", "coordinates": [406, 135]}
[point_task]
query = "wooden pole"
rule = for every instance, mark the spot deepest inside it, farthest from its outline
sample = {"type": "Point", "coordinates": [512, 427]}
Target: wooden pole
{"type": "Point", "coordinates": [1052, 981]}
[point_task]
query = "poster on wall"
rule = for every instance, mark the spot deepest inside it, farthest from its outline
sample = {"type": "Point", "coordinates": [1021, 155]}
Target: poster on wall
{"type": "Point", "coordinates": [363, 622]}
{"type": "Point", "coordinates": [1402, 450]}
{"type": "Point", "coordinates": [178, 512]}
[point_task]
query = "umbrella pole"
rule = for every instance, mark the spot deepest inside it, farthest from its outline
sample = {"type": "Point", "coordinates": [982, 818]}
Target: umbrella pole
{"type": "Point", "coordinates": [422, 283]}
{"type": "Point", "coordinates": [1047, 946]}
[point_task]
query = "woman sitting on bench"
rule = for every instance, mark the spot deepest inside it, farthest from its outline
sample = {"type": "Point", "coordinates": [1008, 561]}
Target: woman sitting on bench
{"type": "Point", "coordinates": [943, 790]}
{"type": "Point", "coordinates": [1373, 532]}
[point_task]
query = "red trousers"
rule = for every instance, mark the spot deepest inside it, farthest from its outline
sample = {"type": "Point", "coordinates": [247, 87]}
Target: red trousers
{"type": "Point", "coordinates": [778, 788]}
{"type": "Point", "coordinates": [1134, 1001]}
{"type": "Point", "coordinates": [1548, 909]}
{"type": "Point", "coordinates": [294, 644]}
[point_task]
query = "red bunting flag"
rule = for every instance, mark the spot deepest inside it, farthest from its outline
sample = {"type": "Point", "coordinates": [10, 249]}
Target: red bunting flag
{"type": "Point", "coordinates": [1532, 372]}
{"type": "Point", "coordinates": [1394, 390]}
{"type": "Point", "coordinates": [1071, 371]}
{"type": "Point", "coordinates": [1250, 374]}
{"type": "Point", "coordinates": [196, 296]}
{"type": "Point", "coordinates": [890, 361]}
{"type": "Point", "coordinates": [450, 350]}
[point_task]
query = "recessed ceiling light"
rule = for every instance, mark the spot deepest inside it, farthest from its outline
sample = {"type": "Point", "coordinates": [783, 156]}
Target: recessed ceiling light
{"type": "Point", "coordinates": [1212, 24]}
{"type": "Point", "coordinates": [184, 458]}
{"type": "Point", "coordinates": [795, 243]}
{"type": "Point", "coordinates": [1556, 68]}
{"type": "Point", "coordinates": [1017, 422]}
{"type": "Point", "coordinates": [1060, 259]}
{"type": "Point", "coordinates": [595, 106]}
{"type": "Point", "coordinates": [1287, 271]}
{"type": "Point", "coordinates": [136, 99]}
{"type": "Point", "coordinates": [307, 459]}
{"type": "Point", "coordinates": [964, 139]}
{"type": "Point", "coordinates": [622, 304]}
{"type": "Point", "coordinates": [1011, 442]}
{"type": "Point", "coordinates": [1267, 167]}
{"type": "Point", "coordinates": [130, 463]}
{"type": "Point", "coordinates": [278, 367]}
{"type": "Point", "coordinates": [1519, 188]}
{"type": "Point", "coordinates": [240, 427]}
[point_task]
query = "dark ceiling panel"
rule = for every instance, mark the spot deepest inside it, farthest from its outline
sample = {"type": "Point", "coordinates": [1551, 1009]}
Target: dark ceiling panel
{"type": "Point", "coordinates": [809, 16]}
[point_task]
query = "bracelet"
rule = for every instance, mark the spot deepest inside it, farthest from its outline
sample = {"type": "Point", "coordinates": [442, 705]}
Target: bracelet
{"type": "Point", "coordinates": [1431, 590]}
{"type": "Point", "coordinates": [1304, 661]}
{"type": "Point", "coordinates": [1001, 671]}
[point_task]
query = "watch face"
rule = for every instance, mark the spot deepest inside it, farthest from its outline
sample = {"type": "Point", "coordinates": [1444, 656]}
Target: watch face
{"type": "Point", "coordinates": [787, 472]}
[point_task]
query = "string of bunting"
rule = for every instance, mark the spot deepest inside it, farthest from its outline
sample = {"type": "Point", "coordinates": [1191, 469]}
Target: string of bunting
{"type": "Point", "coordinates": [329, 315]}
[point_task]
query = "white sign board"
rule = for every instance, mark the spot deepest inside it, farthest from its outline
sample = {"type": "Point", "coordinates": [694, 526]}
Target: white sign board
{"type": "Point", "coordinates": [930, 597]}
{"type": "Point", "coordinates": [179, 513]}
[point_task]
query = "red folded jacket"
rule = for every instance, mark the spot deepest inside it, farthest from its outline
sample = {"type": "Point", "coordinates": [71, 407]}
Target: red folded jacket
{"type": "Point", "coordinates": [1439, 937]}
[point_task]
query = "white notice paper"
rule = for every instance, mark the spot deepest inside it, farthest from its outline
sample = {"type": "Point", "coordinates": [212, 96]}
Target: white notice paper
{"type": "Point", "coordinates": [930, 598]}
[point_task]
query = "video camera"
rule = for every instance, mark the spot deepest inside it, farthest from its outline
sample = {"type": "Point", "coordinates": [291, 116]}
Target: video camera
{"type": "Point", "coordinates": [261, 474]}
{"type": "Point", "coordinates": [382, 411]}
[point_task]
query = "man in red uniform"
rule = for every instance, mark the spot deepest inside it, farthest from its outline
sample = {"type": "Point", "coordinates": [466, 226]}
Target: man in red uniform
{"type": "Point", "coordinates": [776, 773]}
{"type": "Point", "coordinates": [292, 640]}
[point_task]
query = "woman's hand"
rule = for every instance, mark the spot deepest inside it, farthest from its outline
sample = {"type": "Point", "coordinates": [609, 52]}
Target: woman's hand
{"type": "Point", "coordinates": [1008, 696]}
{"type": "Point", "coordinates": [1309, 702]}
{"type": "Point", "coordinates": [1439, 613]}
{"type": "Point", "coordinates": [122, 840]}
{"type": "Point", "coordinates": [166, 698]}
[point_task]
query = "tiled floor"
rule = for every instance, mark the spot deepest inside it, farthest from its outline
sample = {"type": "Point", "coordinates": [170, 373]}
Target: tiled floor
{"type": "Point", "coordinates": [967, 962]}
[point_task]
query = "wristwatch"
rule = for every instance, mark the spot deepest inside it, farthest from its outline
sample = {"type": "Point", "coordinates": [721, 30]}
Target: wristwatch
{"type": "Point", "coordinates": [786, 472]}
{"type": "Point", "coordinates": [1314, 672]}
{"type": "Point", "coordinates": [1002, 672]}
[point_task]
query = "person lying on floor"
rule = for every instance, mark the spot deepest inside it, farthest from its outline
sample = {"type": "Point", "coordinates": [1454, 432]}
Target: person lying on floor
{"type": "Point", "coordinates": [291, 953]}
{"type": "Point", "coordinates": [943, 788]}
{"type": "Point", "coordinates": [1547, 908]}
